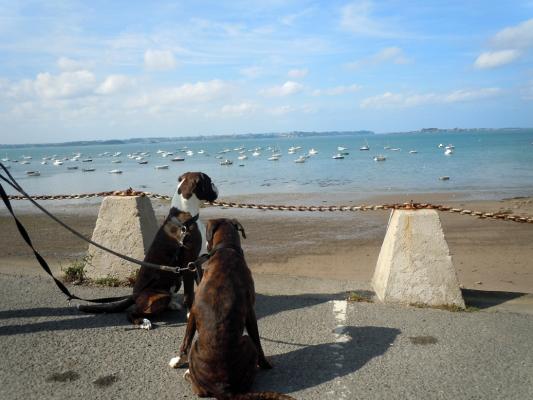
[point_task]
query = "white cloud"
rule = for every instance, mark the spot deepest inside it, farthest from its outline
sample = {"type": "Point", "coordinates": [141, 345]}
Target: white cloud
{"type": "Point", "coordinates": [515, 37]}
{"type": "Point", "coordinates": [337, 90]}
{"type": "Point", "coordinates": [68, 64]}
{"type": "Point", "coordinates": [399, 100]}
{"type": "Point", "coordinates": [493, 59]}
{"type": "Point", "coordinates": [298, 73]}
{"type": "Point", "coordinates": [113, 84]}
{"type": "Point", "coordinates": [238, 109]}
{"type": "Point", "coordinates": [199, 92]}
{"type": "Point", "coordinates": [357, 18]}
{"type": "Point", "coordinates": [64, 85]}
{"type": "Point", "coordinates": [394, 55]}
{"type": "Point", "coordinates": [159, 60]}
{"type": "Point", "coordinates": [287, 89]}
{"type": "Point", "coordinates": [510, 43]}
{"type": "Point", "coordinates": [251, 72]}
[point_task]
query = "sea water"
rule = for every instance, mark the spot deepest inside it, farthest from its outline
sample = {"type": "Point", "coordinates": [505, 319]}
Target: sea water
{"type": "Point", "coordinates": [484, 164]}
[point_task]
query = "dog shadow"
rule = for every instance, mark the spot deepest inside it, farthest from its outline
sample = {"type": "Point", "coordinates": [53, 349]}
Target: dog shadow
{"type": "Point", "coordinates": [79, 320]}
{"type": "Point", "coordinates": [266, 305]}
{"type": "Point", "coordinates": [313, 365]}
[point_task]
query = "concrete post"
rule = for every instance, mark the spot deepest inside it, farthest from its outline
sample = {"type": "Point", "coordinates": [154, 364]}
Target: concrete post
{"type": "Point", "coordinates": [414, 264]}
{"type": "Point", "coordinates": [126, 225]}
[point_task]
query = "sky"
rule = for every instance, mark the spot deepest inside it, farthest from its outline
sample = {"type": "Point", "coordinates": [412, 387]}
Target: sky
{"type": "Point", "coordinates": [92, 70]}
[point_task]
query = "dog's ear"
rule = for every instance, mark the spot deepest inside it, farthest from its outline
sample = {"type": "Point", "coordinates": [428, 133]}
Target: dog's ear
{"type": "Point", "coordinates": [212, 226]}
{"type": "Point", "coordinates": [239, 227]}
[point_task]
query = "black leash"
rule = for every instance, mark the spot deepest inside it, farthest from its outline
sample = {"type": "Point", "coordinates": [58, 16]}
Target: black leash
{"type": "Point", "coordinates": [13, 183]}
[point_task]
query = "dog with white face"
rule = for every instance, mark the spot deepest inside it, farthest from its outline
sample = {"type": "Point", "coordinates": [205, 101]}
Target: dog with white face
{"type": "Point", "coordinates": [194, 188]}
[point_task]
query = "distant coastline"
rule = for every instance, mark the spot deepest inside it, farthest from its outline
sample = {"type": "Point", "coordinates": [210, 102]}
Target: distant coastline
{"type": "Point", "coordinates": [247, 136]}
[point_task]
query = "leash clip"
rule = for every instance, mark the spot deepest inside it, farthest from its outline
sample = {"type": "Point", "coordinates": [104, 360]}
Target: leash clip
{"type": "Point", "coordinates": [191, 266]}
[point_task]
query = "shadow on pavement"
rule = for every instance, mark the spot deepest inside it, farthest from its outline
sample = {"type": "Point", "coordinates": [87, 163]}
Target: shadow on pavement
{"type": "Point", "coordinates": [266, 305]}
{"type": "Point", "coordinates": [313, 365]}
{"type": "Point", "coordinates": [82, 320]}
{"type": "Point", "coordinates": [485, 299]}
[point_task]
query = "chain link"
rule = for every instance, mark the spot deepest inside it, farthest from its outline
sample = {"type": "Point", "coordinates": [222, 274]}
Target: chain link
{"type": "Point", "coordinates": [274, 207]}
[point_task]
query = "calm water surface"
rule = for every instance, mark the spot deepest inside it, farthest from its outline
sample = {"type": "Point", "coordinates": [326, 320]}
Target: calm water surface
{"type": "Point", "coordinates": [484, 165]}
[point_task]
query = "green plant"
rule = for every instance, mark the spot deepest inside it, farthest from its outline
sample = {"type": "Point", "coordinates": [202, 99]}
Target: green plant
{"type": "Point", "coordinates": [75, 272]}
{"type": "Point", "coordinates": [109, 280]}
{"type": "Point", "coordinates": [359, 297]}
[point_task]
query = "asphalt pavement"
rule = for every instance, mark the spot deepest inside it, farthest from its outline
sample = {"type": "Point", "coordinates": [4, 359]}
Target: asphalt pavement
{"type": "Point", "coordinates": [322, 347]}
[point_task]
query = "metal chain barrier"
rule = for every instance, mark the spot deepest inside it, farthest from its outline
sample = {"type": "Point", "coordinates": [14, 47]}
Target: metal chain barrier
{"type": "Point", "coordinates": [273, 207]}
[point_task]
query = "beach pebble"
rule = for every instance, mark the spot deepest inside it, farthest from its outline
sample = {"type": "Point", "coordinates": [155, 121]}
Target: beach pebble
{"type": "Point", "coordinates": [479, 283]}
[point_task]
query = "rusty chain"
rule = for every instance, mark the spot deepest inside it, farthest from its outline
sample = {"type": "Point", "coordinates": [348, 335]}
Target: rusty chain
{"type": "Point", "coordinates": [273, 207]}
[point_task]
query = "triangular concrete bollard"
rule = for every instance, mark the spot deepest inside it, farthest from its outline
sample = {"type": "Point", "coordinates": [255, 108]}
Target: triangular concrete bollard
{"type": "Point", "coordinates": [126, 225]}
{"type": "Point", "coordinates": [414, 264]}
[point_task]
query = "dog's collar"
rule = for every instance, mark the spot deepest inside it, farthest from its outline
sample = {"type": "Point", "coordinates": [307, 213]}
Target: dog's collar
{"type": "Point", "coordinates": [196, 265]}
{"type": "Point", "coordinates": [185, 226]}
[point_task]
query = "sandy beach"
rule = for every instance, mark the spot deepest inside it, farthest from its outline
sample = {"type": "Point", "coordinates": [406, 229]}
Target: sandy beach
{"type": "Point", "coordinates": [487, 254]}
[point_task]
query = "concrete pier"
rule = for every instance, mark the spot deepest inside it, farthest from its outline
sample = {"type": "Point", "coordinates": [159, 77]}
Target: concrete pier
{"type": "Point", "coordinates": [414, 264]}
{"type": "Point", "coordinates": [126, 225]}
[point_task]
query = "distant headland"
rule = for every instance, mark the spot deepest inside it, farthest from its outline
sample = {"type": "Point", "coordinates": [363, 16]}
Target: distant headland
{"type": "Point", "coordinates": [247, 136]}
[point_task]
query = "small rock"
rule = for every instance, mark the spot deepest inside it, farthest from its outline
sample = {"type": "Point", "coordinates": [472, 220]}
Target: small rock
{"type": "Point", "coordinates": [479, 283]}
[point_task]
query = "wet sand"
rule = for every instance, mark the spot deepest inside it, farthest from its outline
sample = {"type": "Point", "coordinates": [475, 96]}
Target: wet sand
{"type": "Point", "coordinates": [487, 254]}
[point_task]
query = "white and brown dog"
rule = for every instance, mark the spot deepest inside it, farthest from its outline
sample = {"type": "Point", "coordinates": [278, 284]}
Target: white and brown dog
{"type": "Point", "coordinates": [154, 290]}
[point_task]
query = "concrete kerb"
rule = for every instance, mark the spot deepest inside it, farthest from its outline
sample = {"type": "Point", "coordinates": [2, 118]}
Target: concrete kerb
{"type": "Point", "coordinates": [126, 224]}
{"type": "Point", "coordinates": [414, 265]}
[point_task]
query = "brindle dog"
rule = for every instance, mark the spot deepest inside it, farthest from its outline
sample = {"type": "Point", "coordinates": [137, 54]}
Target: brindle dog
{"type": "Point", "coordinates": [223, 361]}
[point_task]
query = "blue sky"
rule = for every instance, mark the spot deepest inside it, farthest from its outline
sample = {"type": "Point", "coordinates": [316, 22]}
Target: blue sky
{"type": "Point", "coordinates": [100, 69]}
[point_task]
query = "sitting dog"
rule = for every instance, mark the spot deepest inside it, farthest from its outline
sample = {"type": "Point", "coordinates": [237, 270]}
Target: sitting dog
{"type": "Point", "coordinates": [223, 361]}
{"type": "Point", "coordinates": [178, 242]}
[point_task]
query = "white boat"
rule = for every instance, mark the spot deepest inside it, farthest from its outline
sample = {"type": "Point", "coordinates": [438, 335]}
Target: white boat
{"type": "Point", "coordinates": [33, 173]}
{"type": "Point", "coordinates": [201, 151]}
{"type": "Point", "coordinates": [365, 147]}
{"type": "Point", "coordinates": [178, 159]}
{"type": "Point", "coordinates": [450, 146]}
{"type": "Point", "coordinates": [413, 151]}
{"type": "Point", "coordinates": [143, 162]}
{"type": "Point", "coordinates": [338, 156]}
{"type": "Point", "coordinates": [226, 162]}
{"type": "Point", "coordinates": [340, 148]}
{"type": "Point", "coordinates": [116, 161]}
{"type": "Point", "coordinates": [24, 162]}
{"type": "Point", "coordinates": [71, 168]}
{"type": "Point", "coordinates": [273, 158]}
{"type": "Point", "coordinates": [380, 157]}
{"type": "Point", "coordinates": [88, 170]}
{"type": "Point", "coordinates": [161, 167]}
{"type": "Point", "coordinates": [219, 157]}
{"type": "Point", "coordinates": [189, 153]}
{"type": "Point", "coordinates": [58, 162]}
{"type": "Point", "coordinates": [395, 149]}
{"type": "Point", "coordinates": [312, 152]}
{"type": "Point", "coordinates": [26, 157]}
{"type": "Point", "coordinates": [44, 162]}
{"type": "Point", "coordinates": [117, 154]}
{"type": "Point", "coordinates": [448, 152]}
{"type": "Point", "coordinates": [242, 157]}
{"type": "Point", "coordinates": [444, 178]}
{"type": "Point", "coordinates": [440, 146]}
{"type": "Point", "coordinates": [300, 160]}
{"type": "Point", "coordinates": [115, 171]}
{"type": "Point", "coordinates": [87, 160]}
{"type": "Point", "coordinates": [256, 153]}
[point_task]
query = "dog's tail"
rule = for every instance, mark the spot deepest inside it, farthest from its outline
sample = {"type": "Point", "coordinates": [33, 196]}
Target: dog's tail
{"type": "Point", "coordinates": [115, 307]}
{"type": "Point", "coordinates": [260, 396]}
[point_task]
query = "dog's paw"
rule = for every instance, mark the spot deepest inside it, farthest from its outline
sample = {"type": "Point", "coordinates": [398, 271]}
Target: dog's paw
{"type": "Point", "coordinates": [178, 362]}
